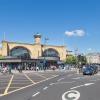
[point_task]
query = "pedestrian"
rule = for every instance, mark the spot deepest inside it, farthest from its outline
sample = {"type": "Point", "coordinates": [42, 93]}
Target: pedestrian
{"type": "Point", "coordinates": [37, 68]}
{"type": "Point", "coordinates": [0, 68]}
{"type": "Point", "coordinates": [19, 68]}
{"type": "Point", "coordinates": [5, 69]}
{"type": "Point", "coordinates": [9, 69]}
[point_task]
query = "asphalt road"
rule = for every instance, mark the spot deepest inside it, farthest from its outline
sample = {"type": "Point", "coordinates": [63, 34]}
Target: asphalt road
{"type": "Point", "coordinates": [55, 85]}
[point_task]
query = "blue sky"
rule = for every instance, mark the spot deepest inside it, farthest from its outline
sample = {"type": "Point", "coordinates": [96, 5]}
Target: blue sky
{"type": "Point", "coordinates": [55, 19]}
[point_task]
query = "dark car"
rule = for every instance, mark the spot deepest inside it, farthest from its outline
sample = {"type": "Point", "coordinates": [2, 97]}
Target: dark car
{"type": "Point", "coordinates": [87, 70]}
{"type": "Point", "coordinates": [95, 68]}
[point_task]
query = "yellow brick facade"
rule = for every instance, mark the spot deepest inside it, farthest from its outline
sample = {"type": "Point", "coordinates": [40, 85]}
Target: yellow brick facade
{"type": "Point", "coordinates": [60, 49]}
{"type": "Point", "coordinates": [35, 49]}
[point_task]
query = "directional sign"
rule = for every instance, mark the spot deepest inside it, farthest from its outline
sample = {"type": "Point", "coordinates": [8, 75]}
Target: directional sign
{"type": "Point", "coordinates": [71, 95]}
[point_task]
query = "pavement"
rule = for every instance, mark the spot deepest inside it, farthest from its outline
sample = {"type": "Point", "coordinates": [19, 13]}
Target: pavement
{"type": "Point", "coordinates": [49, 85]}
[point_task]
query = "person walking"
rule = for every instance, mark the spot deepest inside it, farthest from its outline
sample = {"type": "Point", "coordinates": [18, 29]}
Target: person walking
{"type": "Point", "coordinates": [37, 68]}
{"type": "Point", "coordinates": [9, 69]}
{"type": "Point", "coordinates": [19, 68]}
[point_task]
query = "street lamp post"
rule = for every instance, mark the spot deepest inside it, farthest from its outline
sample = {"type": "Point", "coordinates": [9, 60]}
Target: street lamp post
{"type": "Point", "coordinates": [44, 61]}
{"type": "Point", "coordinates": [77, 60]}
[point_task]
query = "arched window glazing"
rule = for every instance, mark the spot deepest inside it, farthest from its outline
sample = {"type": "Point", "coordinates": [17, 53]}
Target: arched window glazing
{"type": "Point", "coordinates": [50, 53]}
{"type": "Point", "coordinates": [20, 52]}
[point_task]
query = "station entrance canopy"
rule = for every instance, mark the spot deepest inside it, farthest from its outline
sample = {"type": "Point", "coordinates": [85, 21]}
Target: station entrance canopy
{"type": "Point", "coordinates": [16, 60]}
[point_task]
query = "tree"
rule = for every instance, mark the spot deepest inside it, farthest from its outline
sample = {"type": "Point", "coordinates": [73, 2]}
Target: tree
{"type": "Point", "coordinates": [71, 59]}
{"type": "Point", "coordinates": [1, 57]}
{"type": "Point", "coordinates": [82, 59]}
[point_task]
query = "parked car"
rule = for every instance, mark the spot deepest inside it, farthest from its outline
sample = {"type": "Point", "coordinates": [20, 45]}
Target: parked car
{"type": "Point", "coordinates": [95, 69]}
{"type": "Point", "coordinates": [88, 70]}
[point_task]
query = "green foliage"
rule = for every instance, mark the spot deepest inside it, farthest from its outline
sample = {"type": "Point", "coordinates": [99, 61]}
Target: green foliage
{"type": "Point", "coordinates": [76, 60]}
{"type": "Point", "coordinates": [71, 60]}
{"type": "Point", "coordinates": [1, 57]}
{"type": "Point", "coordinates": [82, 59]}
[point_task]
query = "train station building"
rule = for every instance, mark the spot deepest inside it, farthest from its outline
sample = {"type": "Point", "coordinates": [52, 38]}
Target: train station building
{"type": "Point", "coordinates": [32, 54]}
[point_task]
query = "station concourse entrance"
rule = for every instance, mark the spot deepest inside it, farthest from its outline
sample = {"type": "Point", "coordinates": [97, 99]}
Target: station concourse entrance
{"type": "Point", "coordinates": [28, 64]}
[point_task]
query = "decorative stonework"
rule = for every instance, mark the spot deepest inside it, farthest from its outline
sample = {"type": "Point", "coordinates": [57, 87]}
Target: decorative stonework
{"type": "Point", "coordinates": [35, 49]}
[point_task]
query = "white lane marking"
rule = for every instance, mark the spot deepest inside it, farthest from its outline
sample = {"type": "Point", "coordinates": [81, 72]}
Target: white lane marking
{"type": "Point", "coordinates": [61, 83]}
{"type": "Point", "coordinates": [35, 94]}
{"type": "Point", "coordinates": [51, 84]}
{"type": "Point", "coordinates": [54, 75]}
{"type": "Point", "coordinates": [87, 84]}
{"type": "Point", "coordinates": [71, 95]}
{"type": "Point", "coordinates": [60, 79]}
{"type": "Point", "coordinates": [45, 88]}
{"type": "Point", "coordinates": [76, 78]}
{"type": "Point", "coordinates": [76, 87]}
{"type": "Point", "coordinates": [81, 78]}
{"type": "Point", "coordinates": [28, 86]}
{"type": "Point", "coordinates": [1, 95]}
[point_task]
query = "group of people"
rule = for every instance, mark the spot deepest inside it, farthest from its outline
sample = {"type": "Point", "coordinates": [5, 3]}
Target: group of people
{"type": "Point", "coordinates": [8, 69]}
{"type": "Point", "coordinates": [5, 69]}
{"type": "Point", "coordinates": [20, 68]}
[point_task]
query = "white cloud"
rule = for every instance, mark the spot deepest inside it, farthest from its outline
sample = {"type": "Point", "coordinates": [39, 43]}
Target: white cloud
{"type": "Point", "coordinates": [69, 33]}
{"type": "Point", "coordinates": [78, 33]}
{"type": "Point", "coordinates": [89, 49]}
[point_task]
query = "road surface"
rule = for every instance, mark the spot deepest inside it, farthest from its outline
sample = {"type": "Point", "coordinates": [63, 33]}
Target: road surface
{"type": "Point", "coordinates": [51, 85]}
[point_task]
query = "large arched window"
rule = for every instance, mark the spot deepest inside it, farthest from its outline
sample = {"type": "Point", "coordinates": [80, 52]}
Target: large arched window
{"type": "Point", "coordinates": [50, 53]}
{"type": "Point", "coordinates": [20, 52]}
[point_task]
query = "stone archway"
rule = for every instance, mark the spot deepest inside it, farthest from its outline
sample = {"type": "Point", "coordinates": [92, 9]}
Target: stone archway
{"type": "Point", "coordinates": [50, 52]}
{"type": "Point", "coordinates": [20, 52]}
